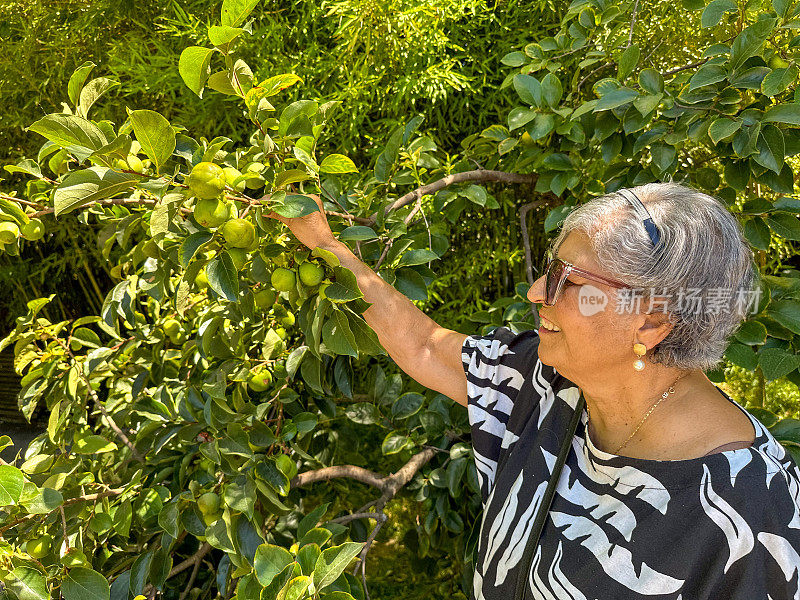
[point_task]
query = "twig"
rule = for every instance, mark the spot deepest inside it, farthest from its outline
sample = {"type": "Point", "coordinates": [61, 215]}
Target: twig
{"type": "Point", "coordinates": [113, 202]}
{"type": "Point", "coordinates": [358, 515]}
{"type": "Point", "coordinates": [192, 561]}
{"type": "Point", "coordinates": [476, 175]}
{"type": "Point", "coordinates": [381, 518]}
{"type": "Point", "coordinates": [526, 240]}
{"type": "Point", "coordinates": [592, 72]}
{"type": "Point", "coordinates": [384, 253]}
{"type": "Point", "coordinates": [192, 577]}
{"type": "Point", "coordinates": [64, 526]}
{"type": "Point", "coordinates": [685, 67]}
{"type": "Point", "coordinates": [686, 107]}
{"type": "Point", "coordinates": [633, 21]}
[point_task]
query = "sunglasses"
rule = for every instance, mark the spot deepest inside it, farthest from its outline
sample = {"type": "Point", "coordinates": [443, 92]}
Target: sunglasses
{"type": "Point", "coordinates": [556, 273]}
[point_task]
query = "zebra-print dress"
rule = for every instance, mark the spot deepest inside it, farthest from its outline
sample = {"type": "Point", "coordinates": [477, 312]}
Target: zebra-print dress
{"type": "Point", "coordinates": [724, 526]}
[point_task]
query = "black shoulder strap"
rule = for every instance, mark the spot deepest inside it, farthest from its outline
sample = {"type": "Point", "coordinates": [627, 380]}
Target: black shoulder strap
{"type": "Point", "coordinates": [547, 500]}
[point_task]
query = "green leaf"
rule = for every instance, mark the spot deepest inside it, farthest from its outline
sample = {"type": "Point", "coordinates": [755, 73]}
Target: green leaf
{"type": "Point", "coordinates": [278, 83]}
{"type": "Point", "coordinates": [155, 135]}
{"type": "Point", "coordinates": [785, 225]}
{"type": "Point", "coordinates": [776, 362]}
{"type": "Point", "coordinates": [77, 79]}
{"type": "Point", "coordinates": [269, 472]}
{"type": "Point", "coordinates": [223, 277]}
{"type": "Point", "coordinates": [628, 61]}
{"type": "Point", "coordinates": [85, 584]}
{"type": "Point", "coordinates": [651, 81]}
{"type": "Point", "coordinates": [93, 444]}
{"type": "Point", "coordinates": [783, 113]}
{"type": "Point", "coordinates": [92, 91]}
{"type": "Point", "coordinates": [713, 12]}
{"type": "Point", "coordinates": [168, 519]}
{"type": "Point", "coordinates": [757, 233]}
{"type": "Point", "coordinates": [333, 561]}
{"type": "Point", "coordinates": [194, 67]}
{"type": "Point", "coordinates": [787, 313]}
{"type": "Point", "coordinates": [752, 333]}
{"type": "Point", "coordinates": [778, 80]}
{"type": "Point", "coordinates": [394, 442]}
{"type": "Point", "coordinates": [291, 176]}
{"type": "Point", "coordinates": [74, 134]}
{"type": "Point", "coordinates": [11, 483]}
{"type": "Point", "coordinates": [417, 257]}
{"type": "Point", "coordinates": [192, 244]}
{"type": "Point", "coordinates": [363, 413]}
{"type": "Point", "coordinates": [294, 206]}
{"type": "Point", "coordinates": [406, 405]}
{"type": "Point", "coordinates": [519, 116]}
{"type": "Point", "coordinates": [552, 90]}
{"type": "Point", "coordinates": [234, 12]}
{"type": "Point", "coordinates": [269, 561]}
{"type": "Point", "coordinates": [45, 501]}
{"type": "Point", "coordinates": [663, 156]}
{"type": "Point", "coordinates": [27, 583]}
{"type": "Point", "coordinates": [90, 185]}
{"type": "Point", "coordinates": [615, 98]}
{"type": "Point", "coordinates": [221, 36]}
{"type": "Point", "coordinates": [357, 232]}
{"type": "Point", "coordinates": [749, 41]}
{"type": "Point", "coordinates": [556, 216]}
{"type": "Point", "coordinates": [528, 89]}
{"type": "Point", "coordinates": [771, 148]}
{"type": "Point", "coordinates": [707, 75]}
{"type": "Point", "coordinates": [336, 164]}
{"type": "Point", "coordinates": [542, 126]}
{"type": "Point", "coordinates": [514, 59]}
{"type": "Point", "coordinates": [723, 128]}
{"type": "Point", "coordinates": [742, 356]}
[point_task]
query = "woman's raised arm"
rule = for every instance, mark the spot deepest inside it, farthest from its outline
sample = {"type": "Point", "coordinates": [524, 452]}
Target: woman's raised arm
{"type": "Point", "coordinates": [427, 352]}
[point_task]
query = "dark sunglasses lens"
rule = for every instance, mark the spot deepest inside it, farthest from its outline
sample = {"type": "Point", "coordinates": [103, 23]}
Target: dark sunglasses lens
{"type": "Point", "coordinates": [554, 271]}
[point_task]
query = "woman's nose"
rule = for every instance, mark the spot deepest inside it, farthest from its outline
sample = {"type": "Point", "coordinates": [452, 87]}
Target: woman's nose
{"type": "Point", "coordinates": [536, 291]}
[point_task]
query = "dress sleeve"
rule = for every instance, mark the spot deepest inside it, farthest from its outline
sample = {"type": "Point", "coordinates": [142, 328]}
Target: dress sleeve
{"type": "Point", "coordinates": [505, 382]}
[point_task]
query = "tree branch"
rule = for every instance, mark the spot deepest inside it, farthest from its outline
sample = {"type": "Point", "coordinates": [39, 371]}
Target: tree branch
{"type": "Point", "coordinates": [431, 188]}
{"type": "Point", "coordinates": [335, 472]}
{"type": "Point", "coordinates": [685, 67]}
{"type": "Point", "coordinates": [633, 22]}
{"type": "Point", "coordinates": [526, 240]}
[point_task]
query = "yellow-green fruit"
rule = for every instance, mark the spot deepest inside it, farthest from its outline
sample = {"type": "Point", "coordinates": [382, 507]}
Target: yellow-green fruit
{"type": "Point", "coordinates": [33, 230]}
{"type": "Point", "coordinates": [201, 280]}
{"type": "Point", "coordinates": [121, 165]}
{"type": "Point", "coordinates": [74, 558]}
{"type": "Point", "coordinates": [287, 320]}
{"type": "Point", "coordinates": [283, 279]}
{"type": "Point", "coordinates": [230, 176]}
{"type": "Point", "coordinates": [265, 298]}
{"type": "Point", "coordinates": [208, 503]}
{"type": "Point", "coordinates": [206, 180]}
{"type": "Point", "coordinates": [172, 327]}
{"type": "Point", "coordinates": [135, 163]}
{"type": "Point", "coordinates": [39, 547]}
{"type": "Point", "coordinates": [259, 380]}
{"type": "Point", "coordinates": [239, 233]}
{"type": "Point", "coordinates": [211, 518]}
{"type": "Point", "coordinates": [239, 257]}
{"type": "Point", "coordinates": [211, 212]}
{"type": "Point", "coordinates": [8, 232]}
{"type": "Point", "coordinates": [311, 274]}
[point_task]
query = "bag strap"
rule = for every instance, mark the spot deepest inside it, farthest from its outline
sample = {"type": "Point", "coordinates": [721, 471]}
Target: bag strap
{"type": "Point", "coordinates": [547, 500]}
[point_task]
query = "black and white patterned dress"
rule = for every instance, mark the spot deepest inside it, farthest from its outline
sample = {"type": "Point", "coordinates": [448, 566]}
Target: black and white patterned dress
{"type": "Point", "coordinates": [724, 526]}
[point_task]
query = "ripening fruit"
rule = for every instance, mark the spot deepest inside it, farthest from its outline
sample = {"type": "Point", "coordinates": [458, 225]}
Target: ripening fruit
{"type": "Point", "coordinates": [208, 503]}
{"type": "Point", "coordinates": [172, 328]}
{"type": "Point", "coordinates": [259, 379]}
{"type": "Point", "coordinates": [230, 176]}
{"type": "Point", "coordinates": [33, 230]}
{"type": "Point", "coordinates": [239, 233]}
{"type": "Point", "coordinates": [287, 320]}
{"type": "Point", "coordinates": [212, 212]}
{"type": "Point", "coordinates": [74, 558]}
{"type": "Point", "coordinates": [311, 274]}
{"type": "Point", "coordinates": [283, 279]}
{"type": "Point", "coordinates": [211, 518]}
{"type": "Point", "coordinates": [239, 257]}
{"type": "Point", "coordinates": [8, 231]}
{"type": "Point", "coordinates": [135, 163]}
{"type": "Point", "coordinates": [206, 180]}
{"type": "Point", "coordinates": [39, 547]}
{"type": "Point", "coordinates": [265, 298]}
{"type": "Point", "coordinates": [201, 280]}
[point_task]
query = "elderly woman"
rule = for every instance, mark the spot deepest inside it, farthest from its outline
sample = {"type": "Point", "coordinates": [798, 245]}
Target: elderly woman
{"type": "Point", "coordinates": [669, 489]}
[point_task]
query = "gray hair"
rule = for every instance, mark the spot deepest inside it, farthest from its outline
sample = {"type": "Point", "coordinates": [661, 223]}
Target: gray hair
{"type": "Point", "coordinates": [701, 248]}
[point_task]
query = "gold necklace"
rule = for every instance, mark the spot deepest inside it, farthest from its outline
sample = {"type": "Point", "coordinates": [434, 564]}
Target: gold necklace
{"type": "Point", "coordinates": [670, 390]}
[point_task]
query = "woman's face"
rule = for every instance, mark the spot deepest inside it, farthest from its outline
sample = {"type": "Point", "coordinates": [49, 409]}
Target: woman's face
{"type": "Point", "coordinates": [592, 335]}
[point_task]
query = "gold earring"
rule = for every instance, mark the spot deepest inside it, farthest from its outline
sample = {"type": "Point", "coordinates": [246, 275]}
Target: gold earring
{"type": "Point", "coordinates": [639, 350]}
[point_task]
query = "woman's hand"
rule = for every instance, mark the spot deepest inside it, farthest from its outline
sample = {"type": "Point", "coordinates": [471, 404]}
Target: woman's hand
{"type": "Point", "coordinates": [312, 230]}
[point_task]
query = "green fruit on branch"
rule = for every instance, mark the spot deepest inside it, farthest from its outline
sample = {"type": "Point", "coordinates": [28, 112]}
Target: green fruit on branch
{"type": "Point", "coordinates": [260, 379]}
{"type": "Point", "coordinates": [311, 274]}
{"type": "Point", "coordinates": [8, 232]}
{"type": "Point", "coordinates": [211, 518]}
{"type": "Point", "coordinates": [74, 558]}
{"type": "Point", "coordinates": [238, 256]}
{"type": "Point", "coordinates": [33, 230]}
{"type": "Point", "coordinates": [231, 175]}
{"type": "Point", "coordinates": [211, 212]}
{"type": "Point", "coordinates": [172, 328]}
{"type": "Point", "coordinates": [135, 163]}
{"type": "Point", "coordinates": [208, 503]}
{"type": "Point", "coordinates": [287, 320]}
{"type": "Point", "coordinates": [239, 233]}
{"type": "Point", "coordinates": [265, 298]}
{"type": "Point", "coordinates": [283, 279]}
{"type": "Point", "coordinates": [39, 547]}
{"type": "Point", "coordinates": [206, 180]}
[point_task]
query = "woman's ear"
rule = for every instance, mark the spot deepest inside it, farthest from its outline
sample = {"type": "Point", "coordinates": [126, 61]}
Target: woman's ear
{"type": "Point", "coordinates": [653, 328]}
